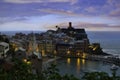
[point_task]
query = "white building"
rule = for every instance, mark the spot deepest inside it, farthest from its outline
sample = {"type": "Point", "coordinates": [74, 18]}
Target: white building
{"type": "Point", "coordinates": [4, 48]}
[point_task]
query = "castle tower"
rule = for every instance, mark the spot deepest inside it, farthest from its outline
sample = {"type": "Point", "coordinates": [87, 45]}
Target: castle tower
{"type": "Point", "coordinates": [70, 26]}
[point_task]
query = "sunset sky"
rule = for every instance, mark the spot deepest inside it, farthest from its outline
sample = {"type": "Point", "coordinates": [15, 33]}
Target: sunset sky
{"type": "Point", "coordinates": [40, 15]}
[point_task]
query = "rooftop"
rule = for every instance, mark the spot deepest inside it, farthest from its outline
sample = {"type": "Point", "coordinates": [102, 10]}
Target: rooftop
{"type": "Point", "coordinates": [4, 44]}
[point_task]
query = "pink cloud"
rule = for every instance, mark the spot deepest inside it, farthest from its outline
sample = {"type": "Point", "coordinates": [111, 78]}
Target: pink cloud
{"type": "Point", "coordinates": [39, 1]}
{"type": "Point", "coordinates": [115, 13]}
{"type": "Point", "coordinates": [63, 12]}
{"type": "Point", "coordinates": [91, 27]}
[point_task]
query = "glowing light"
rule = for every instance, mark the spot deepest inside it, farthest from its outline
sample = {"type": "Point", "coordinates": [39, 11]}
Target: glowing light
{"type": "Point", "coordinates": [25, 60]}
{"type": "Point", "coordinates": [78, 61]}
{"type": "Point", "coordinates": [78, 54]}
{"type": "Point", "coordinates": [14, 45]}
{"type": "Point", "coordinates": [68, 52]}
{"type": "Point", "coordinates": [83, 61]}
{"type": "Point", "coordinates": [78, 64]}
{"type": "Point", "coordinates": [43, 52]}
{"type": "Point", "coordinates": [66, 40]}
{"type": "Point", "coordinates": [94, 48]}
{"type": "Point", "coordinates": [90, 46]}
{"type": "Point", "coordinates": [28, 62]}
{"type": "Point", "coordinates": [30, 48]}
{"type": "Point", "coordinates": [68, 60]}
{"type": "Point", "coordinates": [55, 52]}
{"type": "Point", "coordinates": [84, 55]}
{"type": "Point", "coordinates": [16, 49]}
{"type": "Point", "coordinates": [37, 49]}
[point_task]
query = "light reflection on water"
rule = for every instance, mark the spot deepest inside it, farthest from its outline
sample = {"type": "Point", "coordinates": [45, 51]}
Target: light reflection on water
{"type": "Point", "coordinates": [83, 61]}
{"type": "Point", "coordinates": [68, 60]}
{"type": "Point", "coordinates": [77, 66]}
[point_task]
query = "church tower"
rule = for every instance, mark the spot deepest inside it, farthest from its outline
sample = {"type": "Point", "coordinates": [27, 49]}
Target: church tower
{"type": "Point", "coordinates": [33, 47]}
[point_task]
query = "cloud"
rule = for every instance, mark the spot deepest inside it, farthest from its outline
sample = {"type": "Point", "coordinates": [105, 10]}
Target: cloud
{"type": "Point", "coordinates": [30, 23]}
{"type": "Point", "coordinates": [90, 9]}
{"type": "Point", "coordinates": [39, 1]}
{"type": "Point", "coordinates": [113, 2]}
{"type": "Point", "coordinates": [63, 12]}
{"type": "Point", "coordinates": [98, 26]}
{"type": "Point", "coordinates": [18, 26]}
{"type": "Point", "coordinates": [96, 14]}
{"type": "Point", "coordinates": [73, 2]}
{"type": "Point", "coordinates": [92, 27]}
{"type": "Point", "coordinates": [49, 22]}
{"type": "Point", "coordinates": [67, 7]}
{"type": "Point", "coordinates": [115, 13]}
{"type": "Point", "coordinates": [9, 19]}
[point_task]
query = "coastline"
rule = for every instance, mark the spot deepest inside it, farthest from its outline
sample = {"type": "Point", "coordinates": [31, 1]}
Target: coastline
{"type": "Point", "coordinates": [106, 58]}
{"type": "Point", "coordinates": [47, 62]}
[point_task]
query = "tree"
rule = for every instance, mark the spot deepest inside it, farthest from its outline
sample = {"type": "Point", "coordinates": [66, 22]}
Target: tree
{"type": "Point", "coordinates": [52, 73]}
{"type": "Point", "coordinates": [98, 76]}
{"type": "Point", "coordinates": [19, 71]}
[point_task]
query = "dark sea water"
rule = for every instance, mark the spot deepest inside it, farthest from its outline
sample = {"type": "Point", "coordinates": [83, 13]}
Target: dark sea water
{"type": "Point", "coordinates": [78, 67]}
{"type": "Point", "coordinates": [110, 42]}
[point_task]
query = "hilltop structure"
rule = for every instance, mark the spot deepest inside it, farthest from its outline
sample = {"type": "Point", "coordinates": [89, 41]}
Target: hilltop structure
{"type": "Point", "coordinates": [77, 45]}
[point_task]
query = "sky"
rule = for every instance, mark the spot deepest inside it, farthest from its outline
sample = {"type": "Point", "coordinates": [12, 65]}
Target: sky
{"type": "Point", "coordinates": [41, 15]}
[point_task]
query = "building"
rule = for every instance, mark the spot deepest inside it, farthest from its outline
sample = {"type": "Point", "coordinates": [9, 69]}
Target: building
{"type": "Point", "coordinates": [78, 34]}
{"type": "Point", "coordinates": [80, 41]}
{"type": "Point", "coordinates": [4, 48]}
{"type": "Point", "coordinates": [46, 47]}
{"type": "Point", "coordinates": [62, 49]}
{"type": "Point", "coordinates": [95, 48]}
{"type": "Point", "coordinates": [34, 55]}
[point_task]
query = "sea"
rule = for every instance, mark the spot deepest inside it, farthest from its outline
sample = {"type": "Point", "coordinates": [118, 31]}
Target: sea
{"type": "Point", "coordinates": [110, 43]}
{"type": "Point", "coordinates": [109, 40]}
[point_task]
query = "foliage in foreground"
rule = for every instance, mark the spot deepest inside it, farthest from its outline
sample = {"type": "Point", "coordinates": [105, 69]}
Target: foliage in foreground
{"type": "Point", "coordinates": [23, 71]}
{"type": "Point", "coordinates": [99, 76]}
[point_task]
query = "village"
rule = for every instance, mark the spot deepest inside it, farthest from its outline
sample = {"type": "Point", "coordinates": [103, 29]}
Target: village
{"type": "Point", "coordinates": [39, 49]}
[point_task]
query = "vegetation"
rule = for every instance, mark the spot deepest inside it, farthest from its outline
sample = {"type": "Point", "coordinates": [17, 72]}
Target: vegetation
{"type": "Point", "coordinates": [3, 38]}
{"type": "Point", "coordinates": [19, 71]}
{"type": "Point", "coordinates": [23, 71]}
{"type": "Point", "coordinates": [99, 76]}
